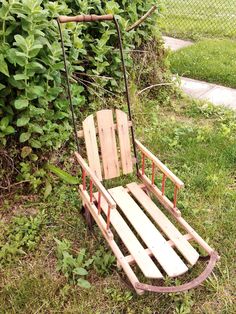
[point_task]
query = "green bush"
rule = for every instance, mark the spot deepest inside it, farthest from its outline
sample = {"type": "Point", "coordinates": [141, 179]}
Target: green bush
{"type": "Point", "coordinates": [34, 109]}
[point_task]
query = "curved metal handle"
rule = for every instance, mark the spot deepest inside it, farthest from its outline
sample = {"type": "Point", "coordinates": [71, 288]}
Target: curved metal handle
{"type": "Point", "coordinates": [190, 285]}
{"type": "Point", "coordinates": [85, 18]}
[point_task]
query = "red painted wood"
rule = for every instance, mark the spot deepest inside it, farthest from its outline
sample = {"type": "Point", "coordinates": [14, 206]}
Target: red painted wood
{"type": "Point", "coordinates": [91, 190]}
{"type": "Point", "coordinates": [163, 184]}
{"type": "Point", "coordinates": [153, 173]}
{"type": "Point", "coordinates": [143, 164]}
{"type": "Point", "coordinates": [175, 196]}
{"type": "Point", "coordinates": [83, 179]}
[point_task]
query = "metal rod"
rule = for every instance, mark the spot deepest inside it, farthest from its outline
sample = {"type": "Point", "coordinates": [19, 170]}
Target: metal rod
{"type": "Point", "coordinates": [127, 90]}
{"type": "Point", "coordinates": [68, 86]}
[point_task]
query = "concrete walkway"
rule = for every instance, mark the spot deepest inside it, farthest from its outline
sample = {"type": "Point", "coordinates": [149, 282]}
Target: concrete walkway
{"type": "Point", "coordinates": [216, 94]}
{"type": "Point", "coordinates": [175, 44]}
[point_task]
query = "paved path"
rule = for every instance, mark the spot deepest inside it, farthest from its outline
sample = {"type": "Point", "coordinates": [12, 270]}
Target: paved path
{"type": "Point", "coordinates": [175, 44]}
{"type": "Point", "coordinates": [216, 94]}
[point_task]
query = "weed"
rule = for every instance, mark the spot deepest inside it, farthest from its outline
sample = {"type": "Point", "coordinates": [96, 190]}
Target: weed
{"type": "Point", "coordinates": [119, 296]}
{"type": "Point", "coordinates": [74, 268]}
{"type": "Point", "coordinates": [103, 261]}
{"type": "Point", "coordinates": [22, 235]}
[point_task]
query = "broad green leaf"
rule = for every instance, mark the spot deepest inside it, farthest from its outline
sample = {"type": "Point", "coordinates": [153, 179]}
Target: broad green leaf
{"type": "Point", "coordinates": [9, 130]}
{"type": "Point", "coordinates": [17, 84]}
{"type": "Point", "coordinates": [2, 86]}
{"type": "Point", "coordinates": [35, 143]}
{"type": "Point", "coordinates": [68, 178]}
{"type": "Point", "coordinates": [48, 189]}
{"type": "Point", "coordinates": [21, 103]}
{"type": "Point", "coordinates": [3, 66]}
{"type": "Point", "coordinates": [35, 91]}
{"type": "Point", "coordinates": [35, 128]}
{"type": "Point", "coordinates": [16, 57]}
{"type": "Point", "coordinates": [24, 137]}
{"type": "Point", "coordinates": [19, 77]}
{"type": "Point", "coordinates": [21, 42]}
{"type": "Point", "coordinates": [35, 50]}
{"type": "Point", "coordinates": [80, 271]}
{"type": "Point", "coordinates": [83, 283]}
{"type": "Point", "coordinates": [26, 151]}
{"type": "Point", "coordinates": [22, 121]}
{"type": "Point", "coordinates": [4, 123]}
{"type": "Point", "coordinates": [34, 157]}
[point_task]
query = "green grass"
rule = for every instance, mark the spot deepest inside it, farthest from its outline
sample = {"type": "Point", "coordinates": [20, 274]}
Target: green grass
{"type": "Point", "coordinates": [199, 18]}
{"type": "Point", "coordinates": [197, 141]}
{"type": "Point", "coordinates": [210, 60]}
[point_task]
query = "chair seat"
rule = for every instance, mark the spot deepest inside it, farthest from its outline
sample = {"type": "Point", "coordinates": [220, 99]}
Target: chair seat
{"type": "Point", "coordinates": [148, 240]}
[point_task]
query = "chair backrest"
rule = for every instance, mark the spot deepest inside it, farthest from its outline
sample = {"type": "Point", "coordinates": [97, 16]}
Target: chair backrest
{"type": "Point", "coordinates": [108, 143]}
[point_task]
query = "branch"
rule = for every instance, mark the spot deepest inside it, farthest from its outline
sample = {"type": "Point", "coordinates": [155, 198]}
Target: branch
{"type": "Point", "coordinates": [11, 185]}
{"type": "Point", "coordinates": [149, 87]}
{"type": "Point", "coordinates": [142, 19]}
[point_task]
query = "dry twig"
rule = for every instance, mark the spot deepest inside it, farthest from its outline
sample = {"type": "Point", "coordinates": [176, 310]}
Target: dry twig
{"type": "Point", "coordinates": [152, 86]}
{"type": "Point", "coordinates": [142, 19]}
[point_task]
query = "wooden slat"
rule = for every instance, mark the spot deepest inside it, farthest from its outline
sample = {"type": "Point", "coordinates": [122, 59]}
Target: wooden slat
{"type": "Point", "coordinates": [184, 247]}
{"type": "Point", "coordinates": [125, 149]}
{"type": "Point", "coordinates": [91, 146]}
{"type": "Point", "coordinates": [80, 133]}
{"type": "Point", "coordinates": [108, 144]}
{"type": "Point", "coordinates": [160, 165]}
{"type": "Point", "coordinates": [131, 260]}
{"type": "Point", "coordinates": [165, 255]}
{"type": "Point", "coordinates": [110, 240]}
{"type": "Point", "coordinates": [139, 254]}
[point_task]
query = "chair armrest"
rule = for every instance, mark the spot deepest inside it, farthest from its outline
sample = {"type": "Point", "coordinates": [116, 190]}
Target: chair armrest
{"type": "Point", "coordinates": [159, 165]}
{"type": "Point", "coordinates": [95, 181]}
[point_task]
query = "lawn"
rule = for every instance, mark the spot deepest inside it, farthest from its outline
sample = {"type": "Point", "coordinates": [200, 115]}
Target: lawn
{"type": "Point", "coordinates": [198, 143]}
{"type": "Point", "coordinates": [209, 60]}
{"type": "Point", "coordinates": [199, 18]}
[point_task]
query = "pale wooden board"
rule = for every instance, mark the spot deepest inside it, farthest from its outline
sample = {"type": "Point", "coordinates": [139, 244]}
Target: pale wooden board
{"type": "Point", "coordinates": [164, 223]}
{"type": "Point", "coordinates": [125, 149]}
{"type": "Point", "coordinates": [110, 239]}
{"type": "Point", "coordinates": [131, 260]}
{"type": "Point", "coordinates": [92, 146]}
{"type": "Point", "coordinates": [80, 133]}
{"type": "Point", "coordinates": [137, 251]}
{"type": "Point", "coordinates": [165, 255]}
{"type": "Point", "coordinates": [108, 144]}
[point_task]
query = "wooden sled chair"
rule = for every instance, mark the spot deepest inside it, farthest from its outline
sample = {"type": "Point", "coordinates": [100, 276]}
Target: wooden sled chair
{"type": "Point", "coordinates": [128, 212]}
{"type": "Point", "coordinates": [132, 205]}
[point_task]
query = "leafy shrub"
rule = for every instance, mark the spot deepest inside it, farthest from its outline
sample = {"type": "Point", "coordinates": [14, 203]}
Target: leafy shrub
{"type": "Point", "coordinates": [33, 103]}
{"type": "Point", "coordinates": [74, 268]}
{"type": "Point", "coordinates": [103, 261]}
{"type": "Point", "coordinates": [22, 235]}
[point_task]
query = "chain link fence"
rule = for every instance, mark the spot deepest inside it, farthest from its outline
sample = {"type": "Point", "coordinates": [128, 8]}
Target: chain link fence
{"type": "Point", "coordinates": [199, 18]}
